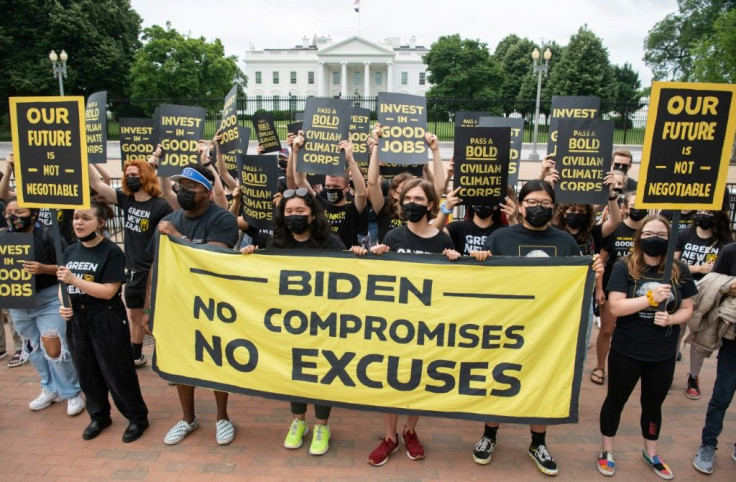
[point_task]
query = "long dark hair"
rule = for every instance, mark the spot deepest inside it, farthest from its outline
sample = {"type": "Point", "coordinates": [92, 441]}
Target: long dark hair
{"type": "Point", "coordinates": [585, 230]}
{"type": "Point", "coordinates": [319, 228]}
{"type": "Point", "coordinates": [721, 228]}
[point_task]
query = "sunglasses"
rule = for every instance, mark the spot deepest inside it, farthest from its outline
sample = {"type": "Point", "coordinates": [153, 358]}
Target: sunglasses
{"type": "Point", "coordinates": [290, 193]}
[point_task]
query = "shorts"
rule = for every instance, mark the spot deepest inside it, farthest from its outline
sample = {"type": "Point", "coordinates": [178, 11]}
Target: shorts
{"type": "Point", "coordinates": [135, 289]}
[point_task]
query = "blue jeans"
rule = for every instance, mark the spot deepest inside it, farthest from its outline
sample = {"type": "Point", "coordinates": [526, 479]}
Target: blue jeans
{"type": "Point", "coordinates": [723, 391]}
{"type": "Point", "coordinates": [57, 374]}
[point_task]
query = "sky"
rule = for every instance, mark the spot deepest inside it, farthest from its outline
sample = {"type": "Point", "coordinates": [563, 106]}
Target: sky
{"type": "Point", "coordinates": [622, 24]}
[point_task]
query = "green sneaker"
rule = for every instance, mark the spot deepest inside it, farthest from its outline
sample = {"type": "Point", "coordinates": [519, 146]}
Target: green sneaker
{"type": "Point", "coordinates": [320, 440]}
{"type": "Point", "coordinates": [297, 431]}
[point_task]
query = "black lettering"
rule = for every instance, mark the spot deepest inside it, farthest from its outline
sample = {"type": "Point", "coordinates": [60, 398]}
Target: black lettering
{"type": "Point", "coordinates": [425, 295]}
{"type": "Point", "coordinates": [466, 377]}
{"type": "Point", "coordinates": [393, 331]}
{"type": "Point", "coordinates": [488, 337]}
{"type": "Point", "coordinates": [349, 324]}
{"type": "Point", "coordinates": [252, 355]}
{"type": "Point", "coordinates": [373, 287]}
{"type": "Point", "coordinates": [434, 373]}
{"type": "Point", "coordinates": [319, 283]}
{"type": "Point", "coordinates": [337, 368]}
{"type": "Point", "coordinates": [316, 323]}
{"type": "Point", "coordinates": [465, 333]}
{"type": "Point", "coordinates": [267, 320]}
{"type": "Point", "coordinates": [209, 309]}
{"type": "Point", "coordinates": [425, 332]}
{"type": "Point", "coordinates": [362, 371]}
{"type": "Point", "coordinates": [415, 375]}
{"type": "Point", "coordinates": [501, 377]}
{"type": "Point", "coordinates": [228, 317]}
{"type": "Point", "coordinates": [294, 283]}
{"type": "Point", "coordinates": [335, 278]}
{"type": "Point", "coordinates": [298, 364]}
{"type": "Point", "coordinates": [517, 337]}
{"type": "Point", "coordinates": [375, 325]}
{"type": "Point", "coordinates": [214, 350]}
{"type": "Point", "coordinates": [301, 317]}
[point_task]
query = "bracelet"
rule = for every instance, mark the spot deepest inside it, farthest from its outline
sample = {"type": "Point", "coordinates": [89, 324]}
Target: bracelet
{"type": "Point", "coordinates": [443, 208]}
{"type": "Point", "coordinates": [650, 297]}
{"type": "Point", "coordinates": [146, 312]}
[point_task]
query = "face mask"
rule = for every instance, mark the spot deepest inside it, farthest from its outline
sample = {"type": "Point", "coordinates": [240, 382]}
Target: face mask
{"type": "Point", "coordinates": [704, 221]}
{"type": "Point", "coordinates": [283, 164]}
{"type": "Point", "coordinates": [483, 211]}
{"type": "Point", "coordinates": [133, 183]}
{"type": "Point", "coordinates": [654, 246]}
{"type": "Point", "coordinates": [538, 216]}
{"type": "Point", "coordinates": [617, 191]}
{"type": "Point", "coordinates": [621, 167]}
{"type": "Point", "coordinates": [637, 214]}
{"type": "Point", "coordinates": [334, 196]}
{"type": "Point", "coordinates": [297, 223]}
{"type": "Point", "coordinates": [19, 224]}
{"type": "Point", "coordinates": [413, 212]}
{"type": "Point", "coordinates": [186, 199]}
{"type": "Point", "coordinates": [89, 237]}
{"type": "Point", "coordinates": [576, 220]}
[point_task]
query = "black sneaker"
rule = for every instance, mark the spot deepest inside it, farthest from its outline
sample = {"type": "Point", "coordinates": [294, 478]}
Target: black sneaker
{"type": "Point", "coordinates": [545, 463]}
{"type": "Point", "coordinates": [139, 362]}
{"type": "Point", "coordinates": [693, 388]}
{"type": "Point", "coordinates": [483, 450]}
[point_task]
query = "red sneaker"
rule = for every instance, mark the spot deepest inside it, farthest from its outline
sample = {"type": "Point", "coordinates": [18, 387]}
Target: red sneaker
{"type": "Point", "coordinates": [414, 448]}
{"type": "Point", "coordinates": [380, 454]}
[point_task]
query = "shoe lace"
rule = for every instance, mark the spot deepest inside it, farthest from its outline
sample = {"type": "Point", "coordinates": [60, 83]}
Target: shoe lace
{"type": "Point", "coordinates": [707, 453]}
{"type": "Point", "coordinates": [294, 427]}
{"type": "Point", "coordinates": [318, 434]}
{"type": "Point", "coordinates": [543, 453]}
{"type": "Point", "coordinates": [692, 382]}
{"type": "Point", "coordinates": [484, 444]}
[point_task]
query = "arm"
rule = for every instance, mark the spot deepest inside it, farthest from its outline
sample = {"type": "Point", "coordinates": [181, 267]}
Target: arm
{"type": "Point", "coordinates": [100, 186]}
{"type": "Point", "coordinates": [450, 202]}
{"type": "Point", "coordinates": [103, 173]}
{"type": "Point", "coordinates": [437, 167]}
{"type": "Point", "coordinates": [361, 192]}
{"type": "Point", "coordinates": [662, 318]}
{"type": "Point", "coordinates": [449, 176]}
{"type": "Point", "coordinates": [5, 191]}
{"type": "Point", "coordinates": [103, 291]}
{"type": "Point", "coordinates": [614, 212]}
{"type": "Point", "coordinates": [300, 178]}
{"type": "Point", "coordinates": [622, 306]}
{"type": "Point", "coordinates": [220, 163]}
{"type": "Point", "coordinates": [375, 196]}
{"type": "Point", "coordinates": [291, 164]}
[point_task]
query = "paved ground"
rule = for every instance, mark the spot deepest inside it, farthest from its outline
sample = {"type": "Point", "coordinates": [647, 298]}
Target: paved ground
{"type": "Point", "coordinates": [47, 445]}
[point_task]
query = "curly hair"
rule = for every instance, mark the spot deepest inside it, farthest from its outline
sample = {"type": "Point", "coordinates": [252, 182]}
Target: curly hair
{"type": "Point", "coordinates": [559, 220]}
{"type": "Point", "coordinates": [149, 181]}
{"type": "Point", "coordinates": [319, 228]}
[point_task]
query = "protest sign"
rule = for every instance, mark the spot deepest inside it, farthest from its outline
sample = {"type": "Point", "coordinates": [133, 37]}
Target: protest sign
{"type": "Point", "coordinates": [265, 128]}
{"type": "Point", "coordinates": [517, 135]}
{"type": "Point", "coordinates": [481, 164]}
{"type": "Point", "coordinates": [294, 127]}
{"type": "Point", "coordinates": [687, 145]}
{"type": "Point", "coordinates": [326, 123]}
{"type": "Point", "coordinates": [180, 128]}
{"type": "Point", "coordinates": [241, 147]}
{"type": "Point", "coordinates": [95, 125]}
{"type": "Point", "coordinates": [469, 119]}
{"type": "Point", "coordinates": [259, 177]}
{"type": "Point", "coordinates": [570, 107]}
{"type": "Point", "coordinates": [584, 149]}
{"type": "Point", "coordinates": [230, 140]}
{"type": "Point", "coordinates": [389, 170]}
{"type": "Point", "coordinates": [299, 116]}
{"type": "Point", "coordinates": [403, 120]}
{"type": "Point", "coordinates": [136, 139]}
{"type": "Point", "coordinates": [50, 151]}
{"type": "Point", "coordinates": [396, 333]}
{"type": "Point", "coordinates": [359, 133]}
{"type": "Point", "coordinates": [17, 285]}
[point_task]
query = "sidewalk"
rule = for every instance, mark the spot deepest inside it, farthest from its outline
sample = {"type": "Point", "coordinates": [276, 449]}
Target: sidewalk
{"type": "Point", "coordinates": [48, 445]}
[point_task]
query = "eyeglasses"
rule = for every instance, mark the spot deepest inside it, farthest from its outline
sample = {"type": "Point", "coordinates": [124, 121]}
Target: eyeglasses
{"type": "Point", "coordinates": [181, 187]}
{"type": "Point", "coordinates": [651, 234]}
{"type": "Point", "coordinates": [532, 203]}
{"type": "Point", "coordinates": [290, 193]}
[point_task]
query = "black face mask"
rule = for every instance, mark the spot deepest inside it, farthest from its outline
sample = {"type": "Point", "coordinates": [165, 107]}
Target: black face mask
{"type": "Point", "coordinates": [89, 237]}
{"type": "Point", "coordinates": [283, 164]}
{"type": "Point", "coordinates": [414, 212]}
{"type": "Point", "coordinates": [637, 214]}
{"type": "Point", "coordinates": [19, 224]}
{"type": "Point", "coordinates": [297, 223]}
{"type": "Point", "coordinates": [617, 191]}
{"type": "Point", "coordinates": [133, 183]}
{"type": "Point", "coordinates": [538, 216]}
{"type": "Point", "coordinates": [186, 199]}
{"type": "Point", "coordinates": [576, 220]}
{"type": "Point", "coordinates": [704, 221]}
{"type": "Point", "coordinates": [654, 246]}
{"type": "Point", "coordinates": [621, 167]}
{"type": "Point", "coordinates": [483, 211]}
{"type": "Point", "coordinates": [334, 196]}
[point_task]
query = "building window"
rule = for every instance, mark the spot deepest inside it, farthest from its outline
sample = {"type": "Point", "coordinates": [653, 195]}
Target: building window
{"type": "Point", "coordinates": [293, 77]}
{"type": "Point", "coordinates": [310, 78]}
{"type": "Point", "coordinates": [259, 102]}
{"type": "Point", "coordinates": [404, 78]}
{"type": "Point", "coordinates": [336, 78]}
{"type": "Point", "coordinates": [275, 78]}
{"type": "Point", "coordinates": [356, 79]}
{"type": "Point", "coordinates": [258, 77]}
{"type": "Point", "coordinates": [422, 78]}
{"type": "Point", "coordinates": [379, 78]}
{"type": "Point", "coordinates": [275, 103]}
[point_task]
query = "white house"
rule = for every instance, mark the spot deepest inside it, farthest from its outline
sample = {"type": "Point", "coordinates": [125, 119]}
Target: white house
{"type": "Point", "coordinates": [352, 68]}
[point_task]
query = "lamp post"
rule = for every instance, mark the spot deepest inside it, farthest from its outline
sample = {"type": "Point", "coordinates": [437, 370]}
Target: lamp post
{"type": "Point", "coordinates": [541, 70]}
{"type": "Point", "coordinates": [59, 67]}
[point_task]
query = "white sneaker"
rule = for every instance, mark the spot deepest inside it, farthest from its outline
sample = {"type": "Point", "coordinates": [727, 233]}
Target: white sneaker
{"type": "Point", "coordinates": [75, 405]}
{"type": "Point", "coordinates": [179, 431]}
{"type": "Point", "coordinates": [43, 400]}
{"type": "Point", "coordinates": [225, 432]}
{"type": "Point", "coordinates": [139, 362]}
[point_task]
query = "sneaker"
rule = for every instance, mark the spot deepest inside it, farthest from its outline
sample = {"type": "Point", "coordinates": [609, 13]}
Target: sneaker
{"type": "Point", "coordinates": [693, 388]}
{"type": "Point", "coordinates": [139, 362]}
{"type": "Point", "coordinates": [380, 454]}
{"type": "Point", "coordinates": [3, 354]}
{"type": "Point", "coordinates": [606, 465]}
{"type": "Point", "coordinates": [224, 432]}
{"type": "Point", "coordinates": [297, 431]}
{"type": "Point", "coordinates": [43, 400]}
{"type": "Point", "coordinates": [658, 466]}
{"type": "Point", "coordinates": [483, 450]}
{"type": "Point", "coordinates": [18, 359]}
{"type": "Point", "coordinates": [320, 440]}
{"type": "Point", "coordinates": [75, 405]}
{"type": "Point", "coordinates": [414, 449]}
{"type": "Point", "coordinates": [545, 463]}
{"type": "Point", "coordinates": [179, 431]}
{"type": "Point", "coordinates": [704, 459]}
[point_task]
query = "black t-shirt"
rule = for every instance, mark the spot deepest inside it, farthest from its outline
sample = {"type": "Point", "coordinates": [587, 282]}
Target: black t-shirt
{"type": "Point", "coordinates": [215, 224]}
{"type": "Point", "coordinates": [726, 262]}
{"type": "Point", "coordinates": [468, 236]}
{"type": "Point", "coordinates": [592, 243]}
{"type": "Point", "coordinates": [385, 222]}
{"type": "Point", "coordinates": [103, 263]}
{"type": "Point", "coordinates": [141, 219]}
{"type": "Point", "coordinates": [65, 218]}
{"type": "Point", "coordinates": [345, 221]}
{"type": "Point", "coordinates": [260, 237]}
{"type": "Point", "coordinates": [696, 250]}
{"type": "Point", "coordinates": [636, 335]}
{"type": "Point", "coordinates": [44, 253]}
{"type": "Point", "coordinates": [686, 219]}
{"type": "Point", "coordinates": [519, 241]}
{"type": "Point", "coordinates": [333, 242]}
{"type": "Point", "coordinates": [618, 245]}
{"type": "Point", "coordinates": [630, 185]}
{"type": "Point", "coordinates": [402, 240]}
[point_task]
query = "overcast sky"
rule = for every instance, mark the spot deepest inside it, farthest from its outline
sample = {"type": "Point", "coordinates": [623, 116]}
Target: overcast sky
{"type": "Point", "coordinates": [622, 24]}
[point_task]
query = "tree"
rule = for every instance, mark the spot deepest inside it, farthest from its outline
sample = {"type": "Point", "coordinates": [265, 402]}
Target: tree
{"type": "Point", "coordinates": [627, 93]}
{"type": "Point", "coordinates": [464, 70]}
{"type": "Point", "coordinates": [514, 55]}
{"type": "Point", "coordinates": [171, 66]}
{"type": "Point", "coordinates": [714, 58]}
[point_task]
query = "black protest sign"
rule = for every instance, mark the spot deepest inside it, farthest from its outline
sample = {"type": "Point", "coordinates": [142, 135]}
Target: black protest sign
{"type": "Point", "coordinates": [517, 134]}
{"type": "Point", "coordinates": [136, 139]}
{"type": "Point", "coordinates": [403, 120]}
{"type": "Point", "coordinates": [17, 285]}
{"type": "Point", "coordinates": [294, 127]}
{"type": "Point", "coordinates": [570, 107]}
{"type": "Point", "coordinates": [481, 164]}
{"type": "Point", "coordinates": [299, 116]}
{"type": "Point", "coordinates": [388, 170]}
{"type": "Point", "coordinates": [241, 147]}
{"type": "Point", "coordinates": [229, 132]}
{"type": "Point", "coordinates": [359, 133]}
{"type": "Point", "coordinates": [50, 151]}
{"type": "Point", "coordinates": [259, 177]}
{"type": "Point", "coordinates": [326, 123]}
{"type": "Point", "coordinates": [95, 124]}
{"type": "Point", "coordinates": [265, 128]}
{"type": "Point", "coordinates": [583, 158]}
{"type": "Point", "coordinates": [469, 119]}
{"type": "Point", "coordinates": [180, 128]}
{"type": "Point", "coordinates": [687, 145]}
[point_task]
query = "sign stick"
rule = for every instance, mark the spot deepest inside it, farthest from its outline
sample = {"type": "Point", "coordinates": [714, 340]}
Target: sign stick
{"type": "Point", "coordinates": [674, 230]}
{"type": "Point", "coordinates": [56, 236]}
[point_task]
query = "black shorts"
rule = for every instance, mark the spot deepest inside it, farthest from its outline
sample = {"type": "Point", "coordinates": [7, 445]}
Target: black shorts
{"type": "Point", "coordinates": [135, 289]}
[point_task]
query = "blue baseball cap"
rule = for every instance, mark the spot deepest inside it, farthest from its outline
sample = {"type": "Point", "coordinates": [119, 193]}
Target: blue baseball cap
{"type": "Point", "coordinates": [192, 175]}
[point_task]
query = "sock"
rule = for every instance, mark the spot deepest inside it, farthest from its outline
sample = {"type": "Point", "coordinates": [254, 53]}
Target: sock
{"type": "Point", "coordinates": [137, 350]}
{"type": "Point", "coordinates": [537, 439]}
{"type": "Point", "coordinates": [490, 432]}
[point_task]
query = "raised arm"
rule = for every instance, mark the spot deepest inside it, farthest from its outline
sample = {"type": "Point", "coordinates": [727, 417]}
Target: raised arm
{"type": "Point", "coordinates": [101, 187]}
{"type": "Point", "coordinates": [375, 195]}
{"type": "Point", "coordinates": [437, 168]}
{"type": "Point", "coordinates": [300, 178]}
{"type": "Point", "coordinates": [361, 192]}
{"type": "Point", "coordinates": [103, 174]}
{"type": "Point", "coordinates": [220, 162]}
{"type": "Point", "coordinates": [614, 212]}
{"type": "Point", "coordinates": [5, 191]}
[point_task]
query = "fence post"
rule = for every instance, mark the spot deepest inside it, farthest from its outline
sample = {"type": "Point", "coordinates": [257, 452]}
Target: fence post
{"type": "Point", "coordinates": [626, 120]}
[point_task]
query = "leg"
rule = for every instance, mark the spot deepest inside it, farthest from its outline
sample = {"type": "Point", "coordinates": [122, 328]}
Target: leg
{"type": "Point", "coordinates": [26, 326]}
{"type": "Point", "coordinates": [90, 377]}
{"type": "Point", "coordinates": [603, 342]}
{"type": "Point", "coordinates": [623, 374]}
{"type": "Point", "coordinates": [390, 420]}
{"type": "Point", "coordinates": [656, 378]}
{"type": "Point", "coordinates": [298, 428]}
{"type": "Point", "coordinates": [186, 398]}
{"type": "Point", "coordinates": [723, 392]}
{"type": "Point", "coordinates": [322, 413]}
{"type": "Point", "coordinates": [321, 435]}
{"type": "Point", "coordinates": [696, 361]}
{"type": "Point", "coordinates": [221, 402]}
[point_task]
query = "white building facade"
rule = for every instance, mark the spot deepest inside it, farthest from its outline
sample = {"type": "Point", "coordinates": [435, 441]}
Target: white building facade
{"type": "Point", "coordinates": [352, 68]}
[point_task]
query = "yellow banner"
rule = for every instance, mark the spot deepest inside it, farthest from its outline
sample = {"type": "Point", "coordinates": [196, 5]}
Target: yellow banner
{"type": "Point", "coordinates": [500, 340]}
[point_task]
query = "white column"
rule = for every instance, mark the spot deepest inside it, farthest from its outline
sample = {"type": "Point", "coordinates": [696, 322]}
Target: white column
{"type": "Point", "coordinates": [321, 80]}
{"type": "Point", "coordinates": [344, 79]}
{"type": "Point", "coordinates": [390, 77]}
{"type": "Point", "coordinates": [366, 79]}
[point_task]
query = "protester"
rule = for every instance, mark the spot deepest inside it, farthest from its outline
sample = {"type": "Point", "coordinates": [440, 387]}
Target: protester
{"type": "Point", "coordinates": [93, 270]}
{"type": "Point", "coordinates": [644, 343]}
{"type": "Point", "coordinates": [622, 160]}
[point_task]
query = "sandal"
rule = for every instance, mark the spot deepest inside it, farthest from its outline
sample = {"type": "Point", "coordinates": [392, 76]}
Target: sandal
{"type": "Point", "coordinates": [596, 378]}
{"type": "Point", "coordinates": [18, 359]}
